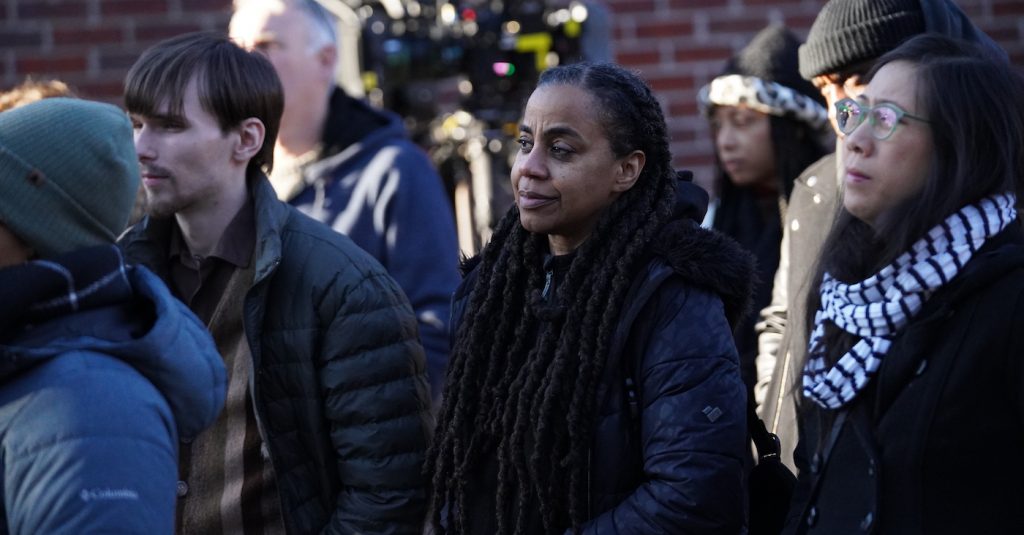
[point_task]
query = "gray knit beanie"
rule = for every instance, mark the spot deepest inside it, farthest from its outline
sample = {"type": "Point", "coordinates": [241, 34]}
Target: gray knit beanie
{"type": "Point", "coordinates": [849, 32]}
{"type": "Point", "coordinates": [68, 174]}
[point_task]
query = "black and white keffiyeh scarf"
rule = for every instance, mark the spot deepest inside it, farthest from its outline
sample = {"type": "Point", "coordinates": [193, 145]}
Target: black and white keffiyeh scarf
{"type": "Point", "coordinates": [877, 308]}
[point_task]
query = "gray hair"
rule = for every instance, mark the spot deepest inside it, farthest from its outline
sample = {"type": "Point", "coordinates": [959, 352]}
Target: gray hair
{"type": "Point", "coordinates": [321, 22]}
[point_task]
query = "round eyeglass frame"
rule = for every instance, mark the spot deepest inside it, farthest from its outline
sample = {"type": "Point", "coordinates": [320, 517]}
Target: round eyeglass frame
{"type": "Point", "coordinates": [871, 118]}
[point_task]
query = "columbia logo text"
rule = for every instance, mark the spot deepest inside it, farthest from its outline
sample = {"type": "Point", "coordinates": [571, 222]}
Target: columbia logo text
{"type": "Point", "coordinates": [88, 495]}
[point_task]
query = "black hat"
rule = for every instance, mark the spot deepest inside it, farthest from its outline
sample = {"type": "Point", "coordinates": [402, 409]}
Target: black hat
{"type": "Point", "coordinates": [772, 56]}
{"type": "Point", "coordinates": [765, 76]}
{"type": "Point", "coordinates": [848, 32]}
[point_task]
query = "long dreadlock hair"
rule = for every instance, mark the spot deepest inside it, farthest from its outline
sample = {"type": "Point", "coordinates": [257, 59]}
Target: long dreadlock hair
{"type": "Point", "coordinates": [522, 374]}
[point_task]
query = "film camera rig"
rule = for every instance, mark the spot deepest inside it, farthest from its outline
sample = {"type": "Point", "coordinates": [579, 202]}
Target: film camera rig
{"type": "Point", "coordinates": [459, 72]}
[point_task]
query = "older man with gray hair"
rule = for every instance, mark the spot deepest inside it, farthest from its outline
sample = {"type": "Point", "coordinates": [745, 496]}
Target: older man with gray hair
{"type": "Point", "coordinates": [353, 167]}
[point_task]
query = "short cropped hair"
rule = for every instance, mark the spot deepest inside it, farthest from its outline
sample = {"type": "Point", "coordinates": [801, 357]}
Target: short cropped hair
{"type": "Point", "coordinates": [233, 84]}
{"type": "Point", "coordinates": [319, 21]}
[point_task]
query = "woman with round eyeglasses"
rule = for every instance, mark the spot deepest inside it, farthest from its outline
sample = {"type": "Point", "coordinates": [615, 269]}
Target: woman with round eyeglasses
{"type": "Point", "coordinates": [912, 406]}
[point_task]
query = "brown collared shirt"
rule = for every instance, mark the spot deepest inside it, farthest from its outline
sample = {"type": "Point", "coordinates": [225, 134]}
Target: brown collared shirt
{"type": "Point", "coordinates": [227, 481]}
{"type": "Point", "coordinates": [200, 282]}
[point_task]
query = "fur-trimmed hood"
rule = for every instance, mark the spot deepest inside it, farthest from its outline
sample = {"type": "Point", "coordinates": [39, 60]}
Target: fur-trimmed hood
{"type": "Point", "coordinates": [706, 258]}
{"type": "Point", "coordinates": [710, 260]}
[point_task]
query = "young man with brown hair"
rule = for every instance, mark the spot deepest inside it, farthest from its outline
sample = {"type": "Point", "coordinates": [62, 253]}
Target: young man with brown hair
{"type": "Point", "coordinates": [327, 413]}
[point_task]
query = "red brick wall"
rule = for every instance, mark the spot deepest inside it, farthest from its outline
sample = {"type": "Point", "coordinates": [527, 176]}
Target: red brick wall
{"type": "Point", "coordinates": [677, 44]}
{"type": "Point", "coordinates": [92, 43]}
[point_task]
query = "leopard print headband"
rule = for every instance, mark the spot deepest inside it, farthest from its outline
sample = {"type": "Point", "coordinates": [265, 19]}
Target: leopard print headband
{"type": "Point", "coordinates": [766, 97]}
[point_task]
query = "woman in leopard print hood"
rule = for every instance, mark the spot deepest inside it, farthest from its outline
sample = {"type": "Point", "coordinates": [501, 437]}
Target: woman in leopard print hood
{"type": "Point", "coordinates": [768, 124]}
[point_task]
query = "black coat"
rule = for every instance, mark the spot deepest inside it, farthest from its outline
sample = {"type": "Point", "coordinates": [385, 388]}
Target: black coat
{"type": "Point", "coordinates": [934, 444]}
{"type": "Point", "coordinates": [677, 467]}
{"type": "Point", "coordinates": [756, 224]}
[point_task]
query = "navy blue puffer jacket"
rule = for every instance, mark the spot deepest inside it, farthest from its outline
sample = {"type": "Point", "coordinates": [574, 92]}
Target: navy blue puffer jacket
{"type": "Point", "coordinates": [677, 464]}
{"type": "Point", "coordinates": [101, 371]}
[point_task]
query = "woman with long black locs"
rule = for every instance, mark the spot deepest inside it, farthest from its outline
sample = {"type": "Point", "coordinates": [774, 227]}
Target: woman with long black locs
{"type": "Point", "coordinates": [594, 383]}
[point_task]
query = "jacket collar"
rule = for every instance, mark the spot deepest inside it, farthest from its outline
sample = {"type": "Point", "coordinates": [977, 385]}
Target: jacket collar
{"type": "Point", "coordinates": [149, 241]}
{"type": "Point", "coordinates": [272, 215]}
{"type": "Point", "coordinates": [353, 130]}
{"type": "Point", "coordinates": [349, 121]}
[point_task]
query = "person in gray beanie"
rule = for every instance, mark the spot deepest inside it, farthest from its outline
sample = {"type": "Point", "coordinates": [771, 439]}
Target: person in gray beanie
{"type": "Point", "coordinates": [848, 35]}
{"type": "Point", "coordinates": [845, 40]}
{"type": "Point", "coordinates": [101, 369]}
{"type": "Point", "coordinates": [85, 186]}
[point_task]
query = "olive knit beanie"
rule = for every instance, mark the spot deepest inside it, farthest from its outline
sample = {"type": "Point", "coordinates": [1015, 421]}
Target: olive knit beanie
{"type": "Point", "coordinates": [848, 32]}
{"type": "Point", "coordinates": [68, 174]}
